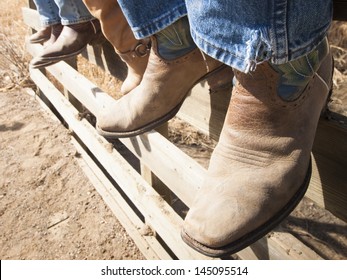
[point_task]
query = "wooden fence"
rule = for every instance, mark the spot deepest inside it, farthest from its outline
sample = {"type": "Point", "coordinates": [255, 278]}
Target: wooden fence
{"type": "Point", "coordinates": [134, 189]}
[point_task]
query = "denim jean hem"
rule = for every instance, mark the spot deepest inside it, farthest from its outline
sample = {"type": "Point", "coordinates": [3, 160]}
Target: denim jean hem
{"type": "Point", "coordinates": [161, 23]}
{"type": "Point", "coordinates": [248, 64]}
{"type": "Point", "coordinates": [65, 12]}
{"type": "Point", "coordinates": [49, 23]}
{"type": "Point", "coordinates": [303, 50]}
{"type": "Point", "coordinates": [244, 64]}
{"type": "Point", "coordinates": [76, 21]}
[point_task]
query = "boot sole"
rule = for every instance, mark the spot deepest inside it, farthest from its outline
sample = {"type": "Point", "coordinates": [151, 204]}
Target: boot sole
{"type": "Point", "coordinates": [115, 135]}
{"type": "Point", "coordinates": [256, 234]}
{"type": "Point", "coordinates": [38, 41]}
{"type": "Point", "coordinates": [48, 61]}
{"type": "Point", "coordinates": [97, 38]}
{"type": "Point", "coordinates": [44, 64]}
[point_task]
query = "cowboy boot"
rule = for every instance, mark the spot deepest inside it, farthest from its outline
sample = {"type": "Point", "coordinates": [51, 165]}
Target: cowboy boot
{"type": "Point", "coordinates": [261, 166]}
{"type": "Point", "coordinates": [41, 36]}
{"type": "Point", "coordinates": [117, 31]}
{"type": "Point", "coordinates": [175, 65]}
{"type": "Point", "coordinates": [71, 42]}
{"type": "Point", "coordinates": [55, 31]}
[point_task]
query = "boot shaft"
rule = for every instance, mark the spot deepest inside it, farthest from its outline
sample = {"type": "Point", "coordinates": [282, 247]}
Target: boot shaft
{"type": "Point", "coordinates": [113, 24]}
{"type": "Point", "coordinates": [257, 108]}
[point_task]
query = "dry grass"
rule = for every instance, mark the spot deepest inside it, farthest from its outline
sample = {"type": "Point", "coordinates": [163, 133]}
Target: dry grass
{"type": "Point", "coordinates": [13, 58]}
{"type": "Point", "coordinates": [13, 65]}
{"type": "Point", "coordinates": [190, 137]}
{"type": "Point", "coordinates": [338, 43]}
{"type": "Point", "coordinates": [338, 34]}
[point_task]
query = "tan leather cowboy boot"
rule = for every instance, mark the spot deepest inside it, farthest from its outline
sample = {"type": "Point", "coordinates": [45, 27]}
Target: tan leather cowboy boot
{"type": "Point", "coordinates": [260, 168]}
{"type": "Point", "coordinates": [117, 31]}
{"type": "Point", "coordinates": [71, 41]}
{"type": "Point", "coordinates": [175, 65]}
{"type": "Point", "coordinates": [41, 35]}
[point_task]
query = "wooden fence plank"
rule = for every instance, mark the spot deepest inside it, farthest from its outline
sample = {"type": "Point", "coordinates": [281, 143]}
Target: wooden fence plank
{"type": "Point", "coordinates": [31, 18]}
{"type": "Point", "coordinates": [166, 161]}
{"type": "Point", "coordinates": [148, 245]}
{"type": "Point", "coordinates": [283, 246]}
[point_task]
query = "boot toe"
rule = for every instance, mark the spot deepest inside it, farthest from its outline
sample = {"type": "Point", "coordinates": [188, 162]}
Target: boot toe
{"type": "Point", "coordinates": [227, 218]}
{"type": "Point", "coordinates": [213, 224]}
{"type": "Point", "coordinates": [223, 214]}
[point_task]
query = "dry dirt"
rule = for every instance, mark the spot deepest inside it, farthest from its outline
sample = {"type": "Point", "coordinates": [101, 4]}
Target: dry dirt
{"type": "Point", "coordinates": [49, 209]}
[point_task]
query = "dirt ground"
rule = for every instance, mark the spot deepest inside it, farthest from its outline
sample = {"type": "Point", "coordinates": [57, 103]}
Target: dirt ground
{"type": "Point", "coordinates": [49, 209]}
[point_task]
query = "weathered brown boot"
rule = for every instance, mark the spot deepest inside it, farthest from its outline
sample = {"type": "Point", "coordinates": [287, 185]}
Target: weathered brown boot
{"type": "Point", "coordinates": [164, 86]}
{"type": "Point", "coordinates": [71, 41]}
{"type": "Point", "coordinates": [37, 62]}
{"type": "Point", "coordinates": [117, 31]}
{"type": "Point", "coordinates": [159, 96]}
{"type": "Point", "coordinates": [260, 168]}
{"type": "Point", "coordinates": [41, 35]}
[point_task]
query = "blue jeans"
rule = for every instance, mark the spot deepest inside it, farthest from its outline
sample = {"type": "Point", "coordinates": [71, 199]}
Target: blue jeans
{"type": "Point", "coordinates": [240, 33]}
{"type": "Point", "coordinates": [66, 12]}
